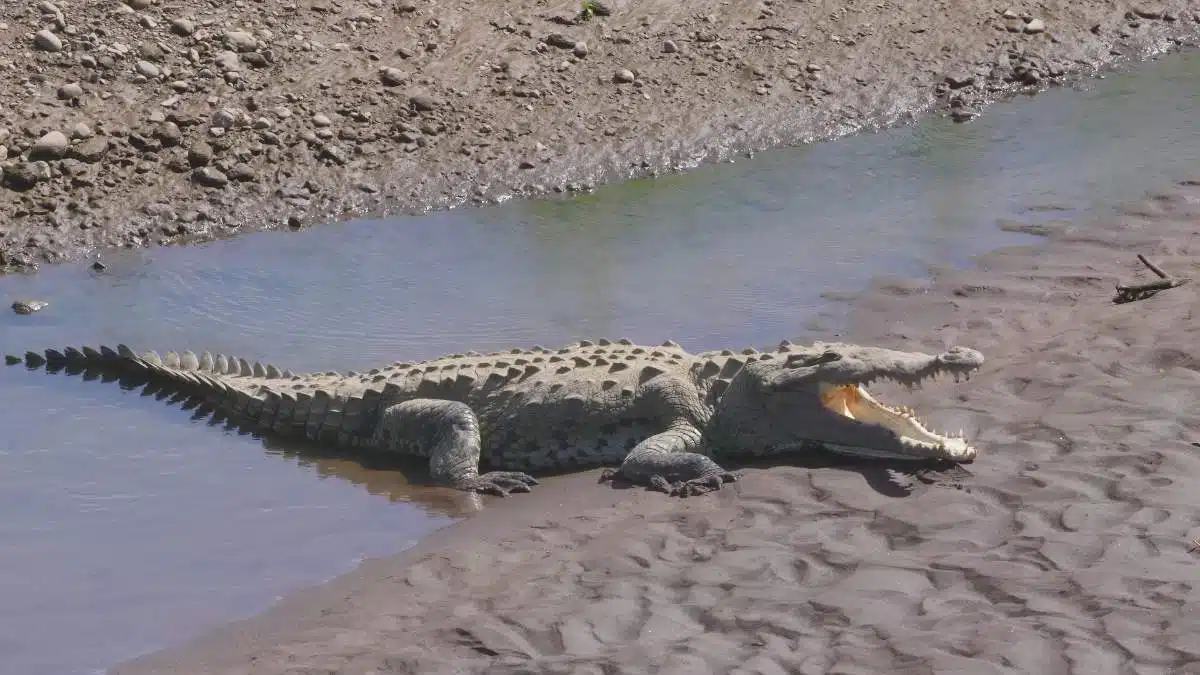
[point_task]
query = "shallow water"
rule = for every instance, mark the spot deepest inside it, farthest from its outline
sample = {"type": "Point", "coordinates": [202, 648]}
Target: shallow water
{"type": "Point", "coordinates": [129, 527]}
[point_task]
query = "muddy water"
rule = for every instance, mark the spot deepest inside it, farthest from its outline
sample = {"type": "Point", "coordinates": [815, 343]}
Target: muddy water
{"type": "Point", "coordinates": [128, 526]}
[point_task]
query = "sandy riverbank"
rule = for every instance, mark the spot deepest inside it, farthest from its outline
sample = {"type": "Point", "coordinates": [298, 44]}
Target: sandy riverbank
{"type": "Point", "coordinates": [1066, 550]}
{"type": "Point", "coordinates": [145, 122]}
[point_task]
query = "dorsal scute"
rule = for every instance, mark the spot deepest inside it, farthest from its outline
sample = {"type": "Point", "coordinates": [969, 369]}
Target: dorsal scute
{"type": "Point", "coordinates": [189, 361]}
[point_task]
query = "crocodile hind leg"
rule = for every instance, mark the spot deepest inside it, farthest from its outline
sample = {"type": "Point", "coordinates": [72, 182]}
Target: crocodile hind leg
{"type": "Point", "coordinates": [666, 462]}
{"type": "Point", "coordinates": [448, 433]}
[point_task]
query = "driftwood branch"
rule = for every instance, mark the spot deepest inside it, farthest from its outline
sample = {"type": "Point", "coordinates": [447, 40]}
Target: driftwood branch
{"type": "Point", "coordinates": [1153, 268]}
{"type": "Point", "coordinates": [1131, 292]}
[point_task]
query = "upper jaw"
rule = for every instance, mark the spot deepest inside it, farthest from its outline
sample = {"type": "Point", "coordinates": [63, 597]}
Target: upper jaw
{"type": "Point", "coordinates": [914, 377]}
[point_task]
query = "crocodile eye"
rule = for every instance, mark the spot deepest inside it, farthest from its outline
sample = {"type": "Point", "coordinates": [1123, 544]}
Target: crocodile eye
{"type": "Point", "coordinates": [807, 361]}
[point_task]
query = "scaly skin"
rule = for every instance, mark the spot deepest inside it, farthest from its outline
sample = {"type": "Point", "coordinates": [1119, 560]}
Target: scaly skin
{"type": "Point", "coordinates": [661, 413]}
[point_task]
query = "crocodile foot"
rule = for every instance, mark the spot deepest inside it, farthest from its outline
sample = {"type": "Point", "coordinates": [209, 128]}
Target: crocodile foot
{"type": "Point", "coordinates": [500, 483]}
{"type": "Point", "coordinates": [682, 488]}
{"type": "Point", "coordinates": [695, 486]}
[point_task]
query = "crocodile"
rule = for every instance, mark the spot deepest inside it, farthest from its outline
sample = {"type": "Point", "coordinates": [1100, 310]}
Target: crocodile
{"type": "Point", "coordinates": [655, 416]}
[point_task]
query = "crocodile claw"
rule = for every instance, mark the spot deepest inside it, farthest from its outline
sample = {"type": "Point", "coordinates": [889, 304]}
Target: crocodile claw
{"type": "Point", "coordinates": [501, 483]}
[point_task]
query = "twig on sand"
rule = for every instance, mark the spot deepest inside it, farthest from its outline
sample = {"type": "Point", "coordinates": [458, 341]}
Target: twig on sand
{"type": "Point", "coordinates": [1131, 292]}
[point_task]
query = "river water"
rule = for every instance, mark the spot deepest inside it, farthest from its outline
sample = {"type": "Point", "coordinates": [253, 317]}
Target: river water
{"type": "Point", "coordinates": [127, 526]}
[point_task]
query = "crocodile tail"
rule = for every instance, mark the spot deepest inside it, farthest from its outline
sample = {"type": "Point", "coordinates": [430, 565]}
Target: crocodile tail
{"type": "Point", "coordinates": [185, 376]}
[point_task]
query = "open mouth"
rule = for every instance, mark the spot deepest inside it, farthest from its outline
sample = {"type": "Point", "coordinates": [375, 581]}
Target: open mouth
{"type": "Point", "coordinates": [854, 402]}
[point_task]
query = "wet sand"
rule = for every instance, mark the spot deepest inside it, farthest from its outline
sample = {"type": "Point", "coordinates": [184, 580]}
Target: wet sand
{"type": "Point", "coordinates": [139, 123]}
{"type": "Point", "coordinates": [1066, 549]}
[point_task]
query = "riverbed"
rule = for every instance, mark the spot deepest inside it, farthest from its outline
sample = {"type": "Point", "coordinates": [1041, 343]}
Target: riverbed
{"type": "Point", "coordinates": [131, 527]}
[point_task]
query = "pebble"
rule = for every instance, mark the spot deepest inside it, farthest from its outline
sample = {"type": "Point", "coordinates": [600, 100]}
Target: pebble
{"type": "Point", "coordinates": [138, 4]}
{"type": "Point", "coordinates": [321, 121]}
{"type": "Point", "coordinates": [52, 145]}
{"type": "Point", "coordinates": [1035, 26]}
{"type": "Point", "coordinates": [580, 49]}
{"type": "Point", "coordinates": [81, 131]}
{"type": "Point", "coordinates": [669, 47]}
{"type": "Point", "coordinates": [47, 41]}
{"type": "Point", "coordinates": [623, 76]}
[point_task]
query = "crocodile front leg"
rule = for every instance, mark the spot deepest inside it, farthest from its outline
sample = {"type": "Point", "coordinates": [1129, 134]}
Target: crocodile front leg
{"type": "Point", "coordinates": [448, 432]}
{"type": "Point", "coordinates": [666, 462]}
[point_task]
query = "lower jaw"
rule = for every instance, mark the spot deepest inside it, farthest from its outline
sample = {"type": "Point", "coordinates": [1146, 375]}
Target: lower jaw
{"type": "Point", "coordinates": [873, 453]}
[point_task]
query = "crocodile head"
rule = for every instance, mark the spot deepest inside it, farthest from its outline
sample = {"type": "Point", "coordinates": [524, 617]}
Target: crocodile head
{"type": "Point", "coordinates": [818, 396]}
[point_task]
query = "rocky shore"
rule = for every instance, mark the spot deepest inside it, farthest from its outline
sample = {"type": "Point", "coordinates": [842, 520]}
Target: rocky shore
{"type": "Point", "coordinates": [146, 122]}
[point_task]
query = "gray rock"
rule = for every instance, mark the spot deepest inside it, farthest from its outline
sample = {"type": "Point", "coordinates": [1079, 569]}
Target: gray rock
{"type": "Point", "coordinates": [559, 40]}
{"type": "Point", "coordinates": [47, 41]}
{"type": "Point", "coordinates": [1148, 11]}
{"type": "Point", "coordinates": [960, 80]}
{"type": "Point", "coordinates": [241, 41]}
{"type": "Point", "coordinates": [138, 4]}
{"type": "Point", "coordinates": [224, 119]}
{"type": "Point", "coordinates": [623, 76]}
{"type": "Point", "coordinates": [52, 145]}
{"type": "Point", "coordinates": [70, 92]}
{"type": "Point", "coordinates": [200, 154]}
{"type": "Point", "coordinates": [580, 49]}
{"type": "Point", "coordinates": [210, 177]}
{"type": "Point", "coordinates": [183, 27]}
{"type": "Point", "coordinates": [256, 59]}
{"type": "Point", "coordinates": [82, 131]}
{"type": "Point", "coordinates": [392, 77]}
{"type": "Point", "coordinates": [243, 173]}
{"type": "Point", "coordinates": [227, 61]}
{"type": "Point", "coordinates": [24, 175]}
{"type": "Point", "coordinates": [423, 102]}
{"type": "Point", "coordinates": [321, 121]}
{"type": "Point", "coordinates": [147, 69]}
{"type": "Point", "coordinates": [168, 134]}
{"type": "Point", "coordinates": [333, 154]}
{"type": "Point", "coordinates": [669, 47]}
{"type": "Point", "coordinates": [1035, 26]}
{"type": "Point", "coordinates": [91, 150]}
